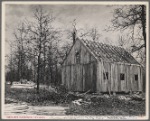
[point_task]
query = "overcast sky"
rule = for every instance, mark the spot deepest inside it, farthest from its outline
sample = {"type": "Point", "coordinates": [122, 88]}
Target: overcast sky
{"type": "Point", "coordinates": [98, 16]}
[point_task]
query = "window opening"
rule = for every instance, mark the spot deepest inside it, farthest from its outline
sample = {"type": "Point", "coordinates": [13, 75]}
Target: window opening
{"type": "Point", "coordinates": [136, 77]}
{"type": "Point", "coordinates": [105, 75]}
{"type": "Point", "coordinates": [77, 57]}
{"type": "Point", "coordinates": [122, 76]}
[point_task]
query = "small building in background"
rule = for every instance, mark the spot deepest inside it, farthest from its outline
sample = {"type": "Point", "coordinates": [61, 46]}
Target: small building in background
{"type": "Point", "coordinates": [96, 67]}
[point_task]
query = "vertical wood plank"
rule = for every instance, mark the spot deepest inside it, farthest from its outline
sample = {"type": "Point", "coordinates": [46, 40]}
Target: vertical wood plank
{"type": "Point", "coordinates": [71, 76]}
{"type": "Point", "coordinates": [91, 74]}
{"type": "Point", "coordinates": [99, 77]}
{"type": "Point", "coordinates": [94, 76]}
{"type": "Point", "coordinates": [135, 82]}
{"type": "Point", "coordinates": [83, 73]}
{"type": "Point", "coordinates": [103, 81]}
{"type": "Point", "coordinates": [118, 75]}
{"type": "Point", "coordinates": [123, 82]}
{"type": "Point", "coordinates": [81, 78]}
{"type": "Point", "coordinates": [112, 77]}
{"type": "Point", "coordinates": [75, 79]}
{"type": "Point", "coordinates": [131, 77]}
{"type": "Point", "coordinates": [115, 78]}
{"type": "Point", "coordinates": [139, 79]}
{"type": "Point", "coordinates": [128, 84]}
{"type": "Point", "coordinates": [68, 77]}
{"type": "Point", "coordinates": [78, 77]}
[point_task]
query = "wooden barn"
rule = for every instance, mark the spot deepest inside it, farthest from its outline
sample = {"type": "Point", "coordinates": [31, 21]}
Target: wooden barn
{"type": "Point", "coordinates": [96, 67]}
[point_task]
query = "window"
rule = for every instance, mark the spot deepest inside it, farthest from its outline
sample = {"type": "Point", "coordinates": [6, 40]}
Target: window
{"type": "Point", "coordinates": [77, 57]}
{"type": "Point", "coordinates": [136, 77]}
{"type": "Point", "coordinates": [121, 76]}
{"type": "Point", "coordinates": [105, 75]}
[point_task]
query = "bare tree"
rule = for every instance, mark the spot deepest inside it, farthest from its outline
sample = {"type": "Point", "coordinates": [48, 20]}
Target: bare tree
{"type": "Point", "coordinates": [91, 33]}
{"type": "Point", "coordinates": [95, 34]}
{"type": "Point", "coordinates": [17, 64]}
{"type": "Point", "coordinates": [20, 54]}
{"type": "Point", "coordinates": [132, 21]}
{"type": "Point", "coordinates": [37, 36]}
{"type": "Point", "coordinates": [133, 16]}
{"type": "Point", "coordinates": [10, 66]}
{"type": "Point", "coordinates": [42, 39]}
{"type": "Point", "coordinates": [121, 41]}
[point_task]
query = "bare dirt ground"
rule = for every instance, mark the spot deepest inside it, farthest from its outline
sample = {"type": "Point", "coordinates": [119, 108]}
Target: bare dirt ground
{"type": "Point", "coordinates": [18, 107]}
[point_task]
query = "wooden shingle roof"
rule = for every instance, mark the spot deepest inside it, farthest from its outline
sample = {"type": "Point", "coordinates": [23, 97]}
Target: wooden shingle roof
{"type": "Point", "coordinates": [109, 53]}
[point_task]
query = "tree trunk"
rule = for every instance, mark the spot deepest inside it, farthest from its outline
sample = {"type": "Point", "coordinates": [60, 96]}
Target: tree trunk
{"type": "Point", "coordinates": [19, 70]}
{"type": "Point", "coordinates": [143, 19]}
{"type": "Point", "coordinates": [38, 74]}
{"type": "Point", "coordinates": [21, 66]}
{"type": "Point", "coordinates": [44, 74]}
{"type": "Point", "coordinates": [56, 75]}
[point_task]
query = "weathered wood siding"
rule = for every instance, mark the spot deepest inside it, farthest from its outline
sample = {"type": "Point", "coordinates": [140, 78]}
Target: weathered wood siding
{"type": "Point", "coordinates": [84, 77]}
{"type": "Point", "coordinates": [85, 55]}
{"type": "Point", "coordinates": [80, 77]}
{"type": "Point", "coordinates": [113, 83]}
{"type": "Point", "coordinates": [88, 74]}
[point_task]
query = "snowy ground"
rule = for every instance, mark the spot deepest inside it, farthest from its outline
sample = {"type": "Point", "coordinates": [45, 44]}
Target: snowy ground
{"type": "Point", "coordinates": [25, 109]}
{"type": "Point", "coordinates": [14, 107]}
{"type": "Point", "coordinates": [22, 99]}
{"type": "Point", "coordinates": [23, 86]}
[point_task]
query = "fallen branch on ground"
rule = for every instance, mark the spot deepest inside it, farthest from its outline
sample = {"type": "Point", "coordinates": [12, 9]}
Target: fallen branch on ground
{"type": "Point", "coordinates": [80, 102]}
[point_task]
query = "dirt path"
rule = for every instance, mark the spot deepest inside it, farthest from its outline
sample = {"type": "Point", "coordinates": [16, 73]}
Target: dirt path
{"type": "Point", "coordinates": [21, 108]}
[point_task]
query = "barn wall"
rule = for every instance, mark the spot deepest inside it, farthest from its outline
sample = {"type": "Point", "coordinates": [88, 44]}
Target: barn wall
{"type": "Point", "coordinates": [84, 77]}
{"type": "Point", "coordinates": [85, 55]}
{"type": "Point", "coordinates": [80, 77]}
{"type": "Point", "coordinates": [88, 73]}
{"type": "Point", "coordinates": [113, 83]}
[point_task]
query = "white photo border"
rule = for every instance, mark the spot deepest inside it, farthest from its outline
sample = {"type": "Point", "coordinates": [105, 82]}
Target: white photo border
{"type": "Point", "coordinates": [4, 3]}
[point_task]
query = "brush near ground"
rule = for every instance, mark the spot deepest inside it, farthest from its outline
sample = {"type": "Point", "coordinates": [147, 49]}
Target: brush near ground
{"type": "Point", "coordinates": [89, 104]}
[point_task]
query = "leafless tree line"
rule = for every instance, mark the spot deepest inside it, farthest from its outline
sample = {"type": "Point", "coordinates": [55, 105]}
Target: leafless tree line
{"type": "Point", "coordinates": [36, 55]}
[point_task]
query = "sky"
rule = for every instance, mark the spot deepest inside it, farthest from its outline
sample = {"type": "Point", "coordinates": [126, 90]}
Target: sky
{"type": "Point", "coordinates": [86, 16]}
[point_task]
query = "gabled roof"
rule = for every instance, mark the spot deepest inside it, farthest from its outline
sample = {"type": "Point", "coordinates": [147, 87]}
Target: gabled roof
{"type": "Point", "coordinates": [109, 53]}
